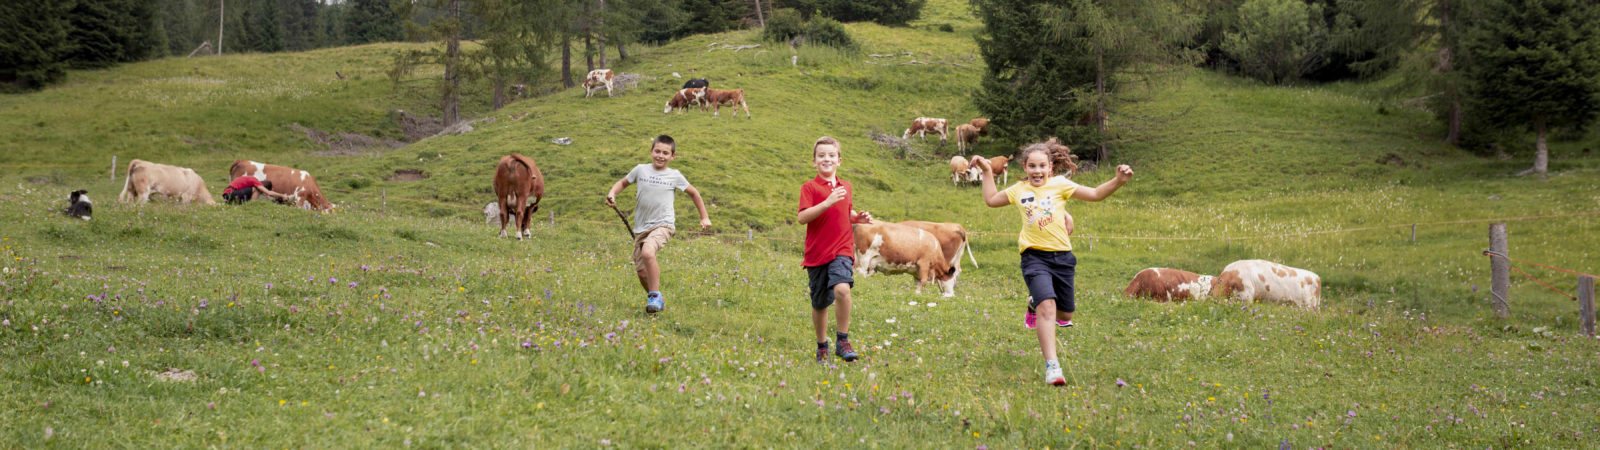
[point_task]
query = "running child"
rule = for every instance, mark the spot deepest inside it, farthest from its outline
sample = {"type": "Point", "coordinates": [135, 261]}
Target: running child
{"type": "Point", "coordinates": [827, 212]}
{"type": "Point", "coordinates": [654, 221]}
{"type": "Point", "coordinates": [1048, 265]}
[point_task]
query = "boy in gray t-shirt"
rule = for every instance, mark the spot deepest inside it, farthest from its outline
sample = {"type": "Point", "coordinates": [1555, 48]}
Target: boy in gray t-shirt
{"type": "Point", "coordinates": [653, 217]}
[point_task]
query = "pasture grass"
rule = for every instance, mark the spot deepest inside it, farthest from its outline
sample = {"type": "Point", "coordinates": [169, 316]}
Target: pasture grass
{"type": "Point", "coordinates": [400, 319]}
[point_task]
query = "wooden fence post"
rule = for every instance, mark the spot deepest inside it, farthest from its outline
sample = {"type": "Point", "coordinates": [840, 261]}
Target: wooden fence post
{"type": "Point", "coordinates": [113, 168]}
{"type": "Point", "coordinates": [1413, 232]}
{"type": "Point", "coordinates": [1586, 304]}
{"type": "Point", "coordinates": [385, 197]}
{"type": "Point", "coordinates": [1499, 271]}
{"type": "Point", "coordinates": [749, 234]}
{"type": "Point", "coordinates": [553, 219]}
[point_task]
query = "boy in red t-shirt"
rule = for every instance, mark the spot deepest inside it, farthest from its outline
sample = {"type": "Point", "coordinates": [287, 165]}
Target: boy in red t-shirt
{"type": "Point", "coordinates": [245, 188]}
{"type": "Point", "coordinates": [826, 211]}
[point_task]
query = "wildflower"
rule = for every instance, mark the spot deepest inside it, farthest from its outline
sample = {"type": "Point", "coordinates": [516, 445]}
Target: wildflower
{"type": "Point", "coordinates": [1121, 383]}
{"type": "Point", "coordinates": [526, 344]}
{"type": "Point", "coordinates": [352, 284]}
{"type": "Point", "coordinates": [212, 405]}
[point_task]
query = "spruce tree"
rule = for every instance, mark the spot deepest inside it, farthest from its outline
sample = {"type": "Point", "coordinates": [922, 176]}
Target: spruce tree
{"type": "Point", "coordinates": [107, 32]}
{"type": "Point", "coordinates": [1535, 64]}
{"type": "Point", "coordinates": [368, 21]}
{"type": "Point", "coordinates": [33, 41]}
{"type": "Point", "coordinates": [1032, 82]}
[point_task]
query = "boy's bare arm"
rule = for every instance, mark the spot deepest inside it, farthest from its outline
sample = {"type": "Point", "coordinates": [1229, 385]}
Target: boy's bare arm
{"type": "Point", "coordinates": [705, 220]}
{"type": "Point", "coordinates": [991, 195]}
{"type": "Point", "coordinates": [809, 214]}
{"type": "Point", "coordinates": [1098, 193]}
{"type": "Point", "coordinates": [611, 195]}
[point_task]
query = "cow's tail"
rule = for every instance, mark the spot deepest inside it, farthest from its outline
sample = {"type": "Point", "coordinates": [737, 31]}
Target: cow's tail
{"type": "Point", "coordinates": [127, 185]}
{"type": "Point", "coordinates": [967, 243]}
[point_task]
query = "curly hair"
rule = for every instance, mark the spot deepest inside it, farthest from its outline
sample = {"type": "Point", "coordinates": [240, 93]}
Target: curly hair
{"type": "Point", "coordinates": [1061, 157]}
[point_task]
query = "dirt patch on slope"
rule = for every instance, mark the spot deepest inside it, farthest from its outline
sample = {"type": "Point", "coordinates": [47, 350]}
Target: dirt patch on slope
{"type": "Point", "coordinates": [404, 175]}
{"type": "Point", "coordinates": [345, 144]}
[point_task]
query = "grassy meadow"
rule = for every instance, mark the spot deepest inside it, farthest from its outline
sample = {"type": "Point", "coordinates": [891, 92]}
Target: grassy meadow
{"type": "Point", "coordinates": [400, 320]}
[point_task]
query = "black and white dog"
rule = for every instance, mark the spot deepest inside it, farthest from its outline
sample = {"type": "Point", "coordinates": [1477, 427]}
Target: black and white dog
{"type": "Point", "coordinates": [78, 205]}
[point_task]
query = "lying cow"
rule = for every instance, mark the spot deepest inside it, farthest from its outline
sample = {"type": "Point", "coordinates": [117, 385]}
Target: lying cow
{"type": "Point", "coordinates": [1168, 285]}
{"type": "Point", "coordinates": [895, 248]}
{"type": "Point", "coordinates": [1258, 280]}
{"type": "Point", "coordinates": [597, 79]}
{"type": "Point", "coordinates": [516, 178]}
{"type": "Point", "coordinates": [922, 125]}
{"type": "Point", "coordinates": [685, 98]}
{"type": "Point", "coordinates": [733, 97]}
{"type": "Point", "coordinates": [145, 178]}
{"type": "Point", "coordinates": [298, 186]}
{"type": "Point", "coordinates": [953, 243]}
{"type": "Point", "coordinates": [966, 136]}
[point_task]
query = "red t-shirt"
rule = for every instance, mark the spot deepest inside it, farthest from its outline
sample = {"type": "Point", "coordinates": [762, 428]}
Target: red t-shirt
{"type": "Point", "coordinates": [243, 182]}
{"type": "Point", "coordinates": [830, 234]}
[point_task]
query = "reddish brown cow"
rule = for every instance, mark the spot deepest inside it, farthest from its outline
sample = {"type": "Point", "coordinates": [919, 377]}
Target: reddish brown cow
{"type": "Point", "coordinates": [733, 97]}
{"type": "Point", "coordinates": [997, 165]}
{"type": "Point", "coordinates": [686, 97]}
{"type": "Point", "coordinates": [1168, 285]}
{"type": "Point", "coordinates": [300, 187]}
{"type": "Point", "coordinates": [597, 79]}
{"type": "Point", "coordinates": [966, 136]}
{"type": "Point", "coordinates": [982, 125]}
{"type": "Point", "coordinates": [952, 239]}
{"type": "Point", "coordinates": [515, 179]}
{"type": "Point", "coordinates": [922, 125]}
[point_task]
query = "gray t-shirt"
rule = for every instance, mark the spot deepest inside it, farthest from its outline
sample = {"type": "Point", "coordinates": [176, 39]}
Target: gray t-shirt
{"type": "Point", "coordinates": [654, 196]}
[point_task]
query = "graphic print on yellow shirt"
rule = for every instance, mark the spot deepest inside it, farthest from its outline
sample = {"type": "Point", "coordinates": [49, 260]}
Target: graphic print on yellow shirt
{"type": "Point", "coordinates": [1043, 214]}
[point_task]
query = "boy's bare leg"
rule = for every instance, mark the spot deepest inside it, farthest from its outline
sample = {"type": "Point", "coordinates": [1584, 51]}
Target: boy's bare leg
{"type": "Point", "coordinates": [1046, 333]}
{"type": "Point", "coordinates": [841, 312]}
{"type": "Point", "coordinates": [650, 270]}
{"type": "Point", "coordinates": [819, 321]}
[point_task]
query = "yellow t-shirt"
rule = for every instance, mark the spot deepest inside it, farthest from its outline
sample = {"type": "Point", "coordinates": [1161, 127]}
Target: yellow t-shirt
{"type": "Point", "coordinates": [1044, 212]}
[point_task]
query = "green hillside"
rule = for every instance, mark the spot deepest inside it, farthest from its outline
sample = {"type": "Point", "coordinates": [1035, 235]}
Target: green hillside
{"type": "Point", "coordinates": [399, 319]}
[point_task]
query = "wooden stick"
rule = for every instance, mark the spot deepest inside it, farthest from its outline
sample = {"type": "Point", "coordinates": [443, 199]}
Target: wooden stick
{"type": "Point", "coordinates": [625, 223]}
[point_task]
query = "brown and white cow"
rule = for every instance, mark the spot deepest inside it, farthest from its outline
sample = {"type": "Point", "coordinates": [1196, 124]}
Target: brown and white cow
{"type": "Point", "coordinates": [966, 136]}
{"type": "Point", "coordinates": [597, 79]}
{"type": "Point", "coordinates": [997, 165]}
{"type": "Point", "coordinates": [894, 248]}
{"type": "Point", "coordinates": [181, 183]}
{"type": "Point", "coordinates": [953, 243]}
{"type": "Point", "coordinates": [732, 97]}
{"type": "Point", "coordinates": [922, 125]}
{"type": "Point", "coordinates": [982, 125]}
{"type": "Point", "coordinates": [300, 187]}
{"type": "Point", "coordinates": [1169, 285]}
{"type": "Point", "coordinates": [685, 98]}
{"type": "Point", "coordinates": [1258, 280]}
{"type": "Point", "coordinates": [516, 178]}
{"type": "Point", "coordinates": [958, 169]}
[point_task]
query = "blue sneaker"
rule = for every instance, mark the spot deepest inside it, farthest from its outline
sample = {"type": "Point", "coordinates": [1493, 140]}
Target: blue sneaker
{"type": "Point", "coordinates": [654, 304]}
{"type": "Point", "coordinates": [845, 351]}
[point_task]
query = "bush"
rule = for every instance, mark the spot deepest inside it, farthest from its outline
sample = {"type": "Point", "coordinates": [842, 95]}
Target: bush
{"type": "Point", "coordinates": [829, 32]}
{"type": "Point", "coordinates": [783, 25]}
{"type": "Point", "coordinates": [945, 27]}
{"type": "Point", "coordinates": [1277, 40]}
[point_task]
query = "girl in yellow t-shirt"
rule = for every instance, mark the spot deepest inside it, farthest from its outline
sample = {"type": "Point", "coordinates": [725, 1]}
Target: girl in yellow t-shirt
{"type": "Point", "coordinates": [1048, 265]}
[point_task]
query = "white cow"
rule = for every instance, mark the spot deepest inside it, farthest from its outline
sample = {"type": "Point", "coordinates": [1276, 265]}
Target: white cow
{"type": "Point", "coordinates": [1258, 280]}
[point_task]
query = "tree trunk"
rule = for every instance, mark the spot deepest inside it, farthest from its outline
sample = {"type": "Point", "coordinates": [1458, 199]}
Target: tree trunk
{"type": "Point", "coordinates": [600, 24]}
{"type": "Point", "coordinates": [221, 9]}
{"type": "Point", "coordinates": [1453, 136]}
{"type": "Point", "coordinates": [588, 38]}
{"type": "Point", "coordinates": [622, 53]}
{"type": "Point", "coordinates": [1446, 64]}
{"type": "Point", "coordinates": [760, 19]}
{"type": "Point", "coordinates": [452, 75]}
{"type": "Point", "coordinates": [1100, 100]}
{"type": "Point", "coordinates": [566, 61]}
{"type": "Point", "coordinates": [1541, 160]}
{"type": "Point", "coordinates": [499, 84]}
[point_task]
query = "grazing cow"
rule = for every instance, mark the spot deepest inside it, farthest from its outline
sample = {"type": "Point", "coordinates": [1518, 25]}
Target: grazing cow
{"type": "Point", "coordinates": [696, 83]}
{"type": "Point", "coordinates": [982, 125]}
{"type": "Point", "coordinates": [922, 125]}
{"type": "Point", "coordinates": [515, 179]}
{"type": "Point", "coordinates": [953, 243]}
{"type": "Point", "coordinates": [78, 205]}
{"type": "Point", "coordinates": [997, 165]}
{"type": "Point", "coordinates": [732, 97]}
{"type": "Point", "coordinates": [966, 136]}
{"type": "Point", "coordinates": [1169, 285]}
{"type": "Point", "coordinates": [958, 169]}
{"type": "Point", "coordinates": [145, 178]}
{"type": "Point", "coordinates": [895, 248]}
{"type": "Point", "coordinates": [298, 186]}
{"type": "Point", "coordinates": [597, 79]}
{"type": "Point", "coordinates": [1258, 280]}
{"type": "Point", "coordinates": [685, 98]}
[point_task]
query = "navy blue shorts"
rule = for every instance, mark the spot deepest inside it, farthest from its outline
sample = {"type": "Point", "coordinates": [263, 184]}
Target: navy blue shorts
{"type": "Point", "coordinates": [824, 277]}
{"type": "Point", "coordinates": [1049, 276]}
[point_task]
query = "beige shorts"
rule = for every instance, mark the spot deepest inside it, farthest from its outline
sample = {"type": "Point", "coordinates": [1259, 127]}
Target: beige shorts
{"type": "Point", "coordinates": [654, 238]}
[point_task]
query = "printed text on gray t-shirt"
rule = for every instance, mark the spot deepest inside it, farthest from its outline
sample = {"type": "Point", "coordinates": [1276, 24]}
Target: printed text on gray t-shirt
{"type": "Point", "coordinates": [655, 195]}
